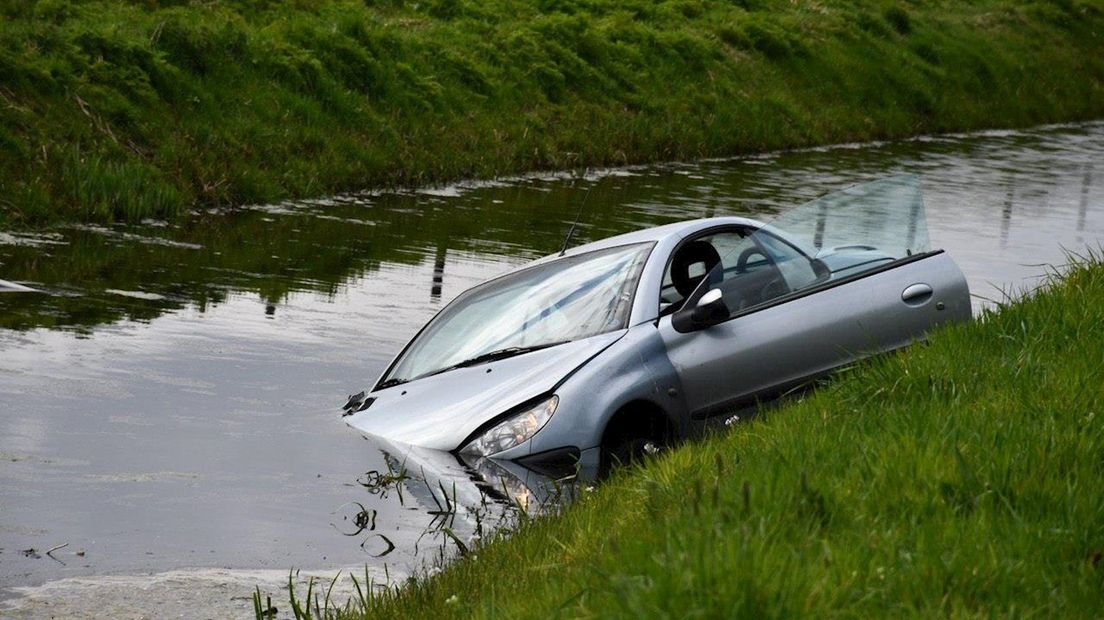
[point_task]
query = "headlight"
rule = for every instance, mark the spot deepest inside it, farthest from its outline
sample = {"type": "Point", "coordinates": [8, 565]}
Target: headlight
{"type": "Point", "coordinates": [514, 430]}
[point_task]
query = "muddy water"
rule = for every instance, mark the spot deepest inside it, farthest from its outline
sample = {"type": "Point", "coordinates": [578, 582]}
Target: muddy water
{"type": "Point", "coordinates": [170, 403]}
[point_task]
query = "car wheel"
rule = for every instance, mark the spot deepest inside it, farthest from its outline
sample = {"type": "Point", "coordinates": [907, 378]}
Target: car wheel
{"type": "Point", "coordinates": [628, 452]}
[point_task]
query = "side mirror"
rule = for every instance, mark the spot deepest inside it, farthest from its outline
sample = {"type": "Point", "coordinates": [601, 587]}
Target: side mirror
{"type": "Point", "coordinates": [710, 310]}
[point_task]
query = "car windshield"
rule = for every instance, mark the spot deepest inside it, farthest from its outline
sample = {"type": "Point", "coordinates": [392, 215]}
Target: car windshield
{"type": "Point", "coordinates": [551, 303]}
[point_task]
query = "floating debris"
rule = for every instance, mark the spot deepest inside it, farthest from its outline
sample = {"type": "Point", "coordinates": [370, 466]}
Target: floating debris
{"type": "Point", "coordinates": [12, 287]}
{"type": "Point", "coordinates": [31, 240]}
{"type": "Point", "coordinates": [357, 402]}
{"type": "Point", "coordinates": [135, 294]}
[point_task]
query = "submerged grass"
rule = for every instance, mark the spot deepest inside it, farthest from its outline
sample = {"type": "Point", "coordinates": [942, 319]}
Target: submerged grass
{"type": "Point", "coordinates": [124, 109]}
{"type": "Point", "coordinates": [964, 477]}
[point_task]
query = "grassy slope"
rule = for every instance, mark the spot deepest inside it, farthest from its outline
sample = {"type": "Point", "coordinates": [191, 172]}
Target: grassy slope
{"type": "Point", "coordinates": [964, 478]}
{"type": "Point", "coordinates": [114, 109]}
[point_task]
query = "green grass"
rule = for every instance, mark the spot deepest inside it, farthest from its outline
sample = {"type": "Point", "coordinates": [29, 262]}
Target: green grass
{"type": "Point", "coordinates": [118, 110]}
{"type": "Point", "coordinates": [960, 478]}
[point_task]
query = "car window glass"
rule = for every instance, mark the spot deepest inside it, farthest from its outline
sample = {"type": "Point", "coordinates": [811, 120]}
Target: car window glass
{"type": "Point", "coordinates": [751, 273]}
{"type": "Point", "coordinates": [839, 235]}
{"type": "Point", "coordinates": [882, 219]}
{"type": "Point", "coordinates": [557, 301]}
{"type": "Point", "coordinates": [796, 269]}
{"type": "Point", "coordinates": [690, 263]}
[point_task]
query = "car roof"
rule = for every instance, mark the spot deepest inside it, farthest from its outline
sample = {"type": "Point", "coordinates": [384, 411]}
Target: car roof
{"type": "Point", "coordinates": [676, 230]}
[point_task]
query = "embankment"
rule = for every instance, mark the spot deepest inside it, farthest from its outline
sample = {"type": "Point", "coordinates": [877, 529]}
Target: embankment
{"type": "Point", "coordinates": [122, 110]}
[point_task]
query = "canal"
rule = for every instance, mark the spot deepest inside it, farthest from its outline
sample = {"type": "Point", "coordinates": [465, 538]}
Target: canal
{"type": "Point", "coordinates": [170, 399]}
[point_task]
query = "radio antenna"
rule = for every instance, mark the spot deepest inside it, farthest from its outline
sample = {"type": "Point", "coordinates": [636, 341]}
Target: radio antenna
{"type": "Point", "coordinates": [571, 231]}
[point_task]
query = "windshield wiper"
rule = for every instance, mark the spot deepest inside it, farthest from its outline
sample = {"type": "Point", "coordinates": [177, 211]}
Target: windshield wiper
{"type": "Point", "coordinates": [391, 383]}
{"type": "Point", "coordinates": [482, 358]}
{"type": "Point", "coordinates": [498, 354]}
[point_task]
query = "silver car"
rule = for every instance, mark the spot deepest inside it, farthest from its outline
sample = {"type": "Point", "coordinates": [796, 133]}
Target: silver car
{"type": "Point", "coordinates": [601, 353]}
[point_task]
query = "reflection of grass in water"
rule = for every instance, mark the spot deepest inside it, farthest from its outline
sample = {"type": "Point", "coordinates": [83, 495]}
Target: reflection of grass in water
{"type": "Point", "coordinates": [120, 110]}
{"type": "Point", "coordinates": [961, 477]}
{"type": "Point", "coordinates": [202, 261]}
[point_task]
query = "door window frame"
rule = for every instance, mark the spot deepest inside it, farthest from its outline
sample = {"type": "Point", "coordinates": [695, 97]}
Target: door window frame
{"type": "Point", "coordinates": [743, 229]}
{"type": "Point", "coordinates": [785, 298]}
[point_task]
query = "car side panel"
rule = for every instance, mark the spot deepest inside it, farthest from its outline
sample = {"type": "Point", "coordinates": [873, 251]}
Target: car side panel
{"type": "Point", "coordinates": [749, 355]}
{"type": "Point", "coordinates": [635, 368]}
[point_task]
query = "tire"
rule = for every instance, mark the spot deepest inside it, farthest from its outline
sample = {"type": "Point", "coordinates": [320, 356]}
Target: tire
{"type": "Point", "coordinates": [628, 451]}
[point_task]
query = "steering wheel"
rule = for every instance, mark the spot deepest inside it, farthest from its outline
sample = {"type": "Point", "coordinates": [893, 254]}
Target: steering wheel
{"type": "Point", "coordinates": [742, 261]}
{"type": "Point", "coordinates": [769, 282]}
{"type": "Point", "coordinates": [775, 288]}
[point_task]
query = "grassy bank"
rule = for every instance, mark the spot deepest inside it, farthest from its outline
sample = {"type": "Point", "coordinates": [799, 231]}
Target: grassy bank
{"type": "Point", "coordinates": [962, 478]}
{"type": "Point", "coordinates": [113, 109]}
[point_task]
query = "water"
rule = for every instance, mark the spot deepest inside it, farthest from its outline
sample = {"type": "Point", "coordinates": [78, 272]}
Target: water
{"type": "Point", "coordinates": [173, 402]}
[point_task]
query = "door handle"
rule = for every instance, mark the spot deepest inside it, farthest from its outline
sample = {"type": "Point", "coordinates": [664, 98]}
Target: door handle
{"type": "Point", "coordinates": [916, 294]}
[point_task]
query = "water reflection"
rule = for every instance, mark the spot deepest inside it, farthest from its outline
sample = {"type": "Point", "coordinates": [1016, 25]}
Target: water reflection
{"type": "Point", "coordinates": [1083, 207]}
{"type": "Point", "coordinates": [98, 275]}
{"type": "Point", "coordinates": [438, 275]}
{"type": "Point", "coordinates": [172, 398]}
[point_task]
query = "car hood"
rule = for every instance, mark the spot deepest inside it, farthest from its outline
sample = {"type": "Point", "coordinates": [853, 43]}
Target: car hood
{"type": "Point", "coordinates": [440, 411]}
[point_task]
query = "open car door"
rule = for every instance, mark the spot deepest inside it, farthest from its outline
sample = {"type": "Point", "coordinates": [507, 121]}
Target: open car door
{"type": "Point", "coordinates": [842, 277]}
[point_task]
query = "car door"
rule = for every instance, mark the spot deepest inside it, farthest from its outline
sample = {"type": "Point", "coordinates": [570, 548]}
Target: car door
{"type": "Point", "coordinates": [800, 304]}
